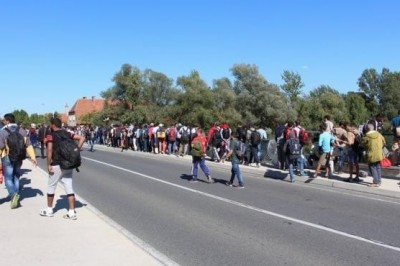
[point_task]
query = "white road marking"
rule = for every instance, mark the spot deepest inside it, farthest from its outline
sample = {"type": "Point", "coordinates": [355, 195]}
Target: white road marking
{"type": "Point", "coordinates": [337, 190]}
{"type": "Point", "coordinates": [236, 203]}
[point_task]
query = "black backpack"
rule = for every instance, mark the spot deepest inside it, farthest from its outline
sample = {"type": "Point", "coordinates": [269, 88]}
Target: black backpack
{"type": "Point", "coordinates": [68, 151]}
{"type": "Point", "coordinates": [357, 145]}
{"type": "Point", "coordinates": [185, 136]}
{"type": "Point", "coordinates": [226, 133]}
{"type": "Point", "coordinates": [16, 145]}
{"type": "Point", "coordinates": [255, 138]}
{"type": "Point", "coordinates": [217, 138]}
{"type": "Point", "coordinates": [294, 147]}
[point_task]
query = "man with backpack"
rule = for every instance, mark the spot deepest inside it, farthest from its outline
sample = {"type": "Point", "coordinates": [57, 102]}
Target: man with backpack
{"type": "Point", "coordinates": [280, 142]}
{"type": "Point", "coordinates": [14, 145]}
{"type": "Point", "coordinates": [235, 154]}
{"type": "Point", "coordinates": [63, 156]}
{"type": "Point", "coordinates": [171, 133]}
{"type": "Point", "coordinates": [303, 137]}
{"type": "Point", "coordinates": [184, 138]}
{"type": "Point", "coordinates": [226, 133]}
{"type": "Point", "coordinates": [199, 147]}
{"type": "Point", "coordinates": [293, 153]}
{"type": "Point", "coordinates": [255, 140]}
{"type": "Point", "coordinates": [353, 145]}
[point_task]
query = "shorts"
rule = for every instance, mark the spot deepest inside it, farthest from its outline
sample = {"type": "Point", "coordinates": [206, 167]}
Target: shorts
{"type": "Point", "coordinates": [63, 176]}
{"type": "Point", "coordinates": [353, 157]}
{"type": "Point", "coordinates": [324, 159]}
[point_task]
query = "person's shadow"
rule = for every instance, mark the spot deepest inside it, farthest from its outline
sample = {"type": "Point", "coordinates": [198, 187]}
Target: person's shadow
{"type": "Point", "coordinates": [62, 203]}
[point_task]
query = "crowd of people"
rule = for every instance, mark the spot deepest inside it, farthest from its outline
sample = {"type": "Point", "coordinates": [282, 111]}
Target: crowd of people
{"type": "Point", "coordinates": [333, 148]}
{"type": "Point", "coordinates": [336, 145]}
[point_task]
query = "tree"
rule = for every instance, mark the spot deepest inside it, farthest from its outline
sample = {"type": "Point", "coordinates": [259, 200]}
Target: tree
{"type": "Point", "coordinates": [22, 117]}
{"type": "Point", "coordinates": [196, 103]}
{"type": "Point", "coordinates": [224, 97]}
{"type": "Point", "coordinates": [322, 101]}
{"type": "Point", "coordinates": [158, 89]}
{"type": "Point", "coordinates": [355, 105]}
{"type": "Point", "coordinates": [292, 86]}
{"type": "Point", "coordinates": [257, 100]}
{"type": "Point", "coordinates": [370, 83]}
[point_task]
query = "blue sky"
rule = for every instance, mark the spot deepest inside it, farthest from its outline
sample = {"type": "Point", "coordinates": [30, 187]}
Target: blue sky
{"type": "Point", "coordinates": [54, 52]}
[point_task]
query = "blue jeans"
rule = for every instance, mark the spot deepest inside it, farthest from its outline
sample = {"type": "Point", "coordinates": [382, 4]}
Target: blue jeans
{"type": "Point", "coordinates": [341, 159]}
{"type": "Point", "coordinates": [259, 152]}
{"type": "Point", "coordinates": [300, 162]}
{"type": "Point", "coordinates": [171, 147]}
{"type": "Point", "coordinates": [235, 171]}
{"type": "Point", "coordinates": [375, 169]}
{"type": "Point", "coordinates": [291, 162]}
{"type": "Point", "coordinates": [202, 162]}
{"type": "Point", "coordinates": [11, 172]}
{"type": "Point", "coordinates": [91, 144]}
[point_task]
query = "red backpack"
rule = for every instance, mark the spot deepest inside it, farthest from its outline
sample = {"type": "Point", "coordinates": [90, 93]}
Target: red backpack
{"type": "Point", "coordinates": [304, 136]}
{"type": "Point", "coordinates": [172, 134]}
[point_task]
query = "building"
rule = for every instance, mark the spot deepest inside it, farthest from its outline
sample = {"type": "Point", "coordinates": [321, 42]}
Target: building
{"type": "Point", "coordinates": [83, 107]}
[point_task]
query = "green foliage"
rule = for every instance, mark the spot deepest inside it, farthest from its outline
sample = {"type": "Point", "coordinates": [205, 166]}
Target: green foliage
{"type": "Point", "coordinates": [292, 86]}
{"type": "Point", "coordinates": [149, 96]}
{"type": "Point", "coordinates": [356, 108]}
{"type": "Point", "coordinates": [258, 101]}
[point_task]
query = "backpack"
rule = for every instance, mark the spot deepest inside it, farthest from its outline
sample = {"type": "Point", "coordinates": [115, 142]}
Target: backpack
{"type": "Point", "coordinates": [197, 149]}
{"type": "Point", "coordinates": [294, 147]}
{"type": "Point", "coordinates": [217, 138]}
{"type": "Point", "coordinates": [357, 145]}
{"type": "Point", "coordinates": [185, 136]}
{"type": "Point", "coordinates": [161, 134]}
{"type": "Point", "coordinates": [226, 133]}
{"type": "Point", "coordinates": [255, 138]}
{"type": "Point", "coordinates": [304, 136]}
{"type": "Point", "coordinates": [144, 134]}
{"type": "Point", "coordinates": [242, 132]}
{"type": "Point", "coordinates": [68, 151]}
{"type": "Point", "coordinates": [240, 150]}
{"type": "Point", "coordinates": [172, 134]}
{"type": "Point", "coordinates": [16, 145]}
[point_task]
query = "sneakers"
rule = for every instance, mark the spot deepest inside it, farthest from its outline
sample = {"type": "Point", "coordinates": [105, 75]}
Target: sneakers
{"type": "Point", "coordinates": [240, 186]}
{"type": "Point", "coordinates": [229, 184]}
{"type": "Point", "coordinates": [70, 217]}
{"type": "Point", "coordinates": [15, 201]}
{"type": "Point", "coordinates": [46, 213]}
{"type": "Point", "coordinates": [193, 180]}
{"type": "Point", "coordinates": [210, 179]}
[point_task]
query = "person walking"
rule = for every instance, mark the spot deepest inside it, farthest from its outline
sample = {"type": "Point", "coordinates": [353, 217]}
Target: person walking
{"type": "Point", "coordinates": [199, 146]}
{"type": "Point", "coordinates": [14, 144]}
{"type": "Point", "coordinates": [374, 142]}
{"type": "Point", "coordinates": [235, 154]}
{"type": "Point", "coordinates": [56, 173]}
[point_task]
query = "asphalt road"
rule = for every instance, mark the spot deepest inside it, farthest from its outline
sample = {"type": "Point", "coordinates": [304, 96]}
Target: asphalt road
{"type": "Point", "coordinates": [270, 222]}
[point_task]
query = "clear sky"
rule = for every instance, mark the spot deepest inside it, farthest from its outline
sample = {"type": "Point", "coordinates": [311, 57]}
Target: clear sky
{"type": "Point", "coordinates": [54, 52]}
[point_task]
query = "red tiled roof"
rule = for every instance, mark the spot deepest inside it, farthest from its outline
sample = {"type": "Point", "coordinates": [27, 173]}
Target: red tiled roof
{"type": "Point", "coordinates": [85, 106]}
